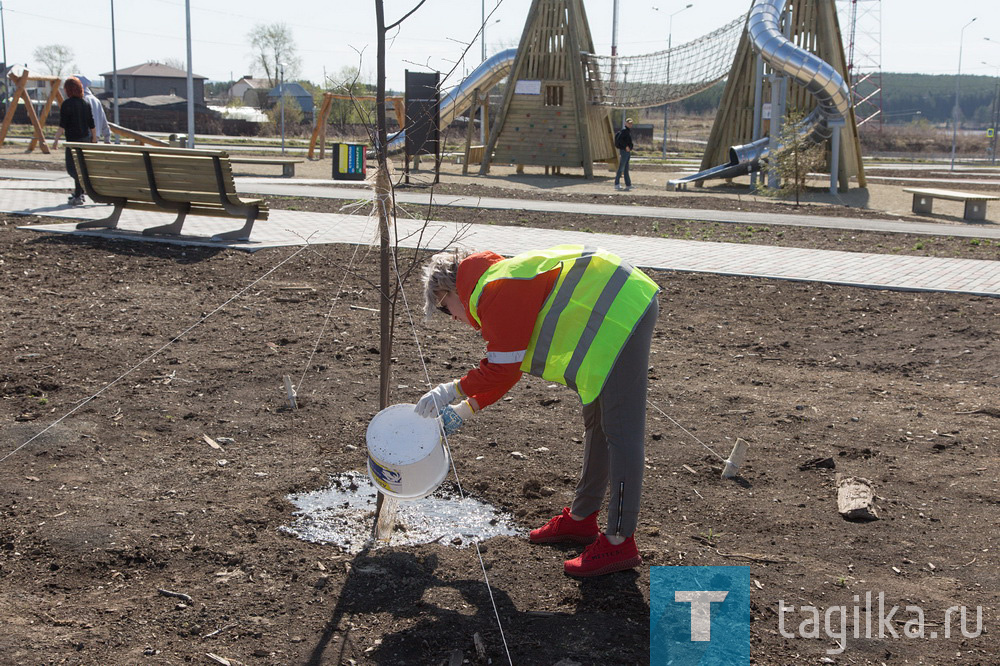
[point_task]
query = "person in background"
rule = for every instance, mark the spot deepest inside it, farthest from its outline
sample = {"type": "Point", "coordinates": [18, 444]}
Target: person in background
{"type": "Point", "coordinates": [97, 109]}
{"type": "Point", "coordinates": [623, 142]}
{"type": "Point", "coordinates": [584, 318]}
{"type": "Point", "coordinates": [76, 119]}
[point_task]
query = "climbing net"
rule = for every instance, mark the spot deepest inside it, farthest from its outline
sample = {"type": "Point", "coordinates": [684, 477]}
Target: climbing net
{"type": "Point", "coordinates": [665, 76]}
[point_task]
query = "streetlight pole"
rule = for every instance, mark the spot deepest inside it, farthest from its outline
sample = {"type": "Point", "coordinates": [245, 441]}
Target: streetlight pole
{"type": "Point", "coordinates": [614, 29]}
{"type": "Point", "coordinates": [114, 64]}
{"type": "Point", "coordinates": [614, 54]}
{"type": "Point", "coordinates": [190, 77]}
{"type": "Point", "coordinates": [954, 125]}
{"type": "Point", "coordinates": [995, 118]}
{"type": "Point", "coordinates": [482, 104]}
{"type": "Point", "coordinates": [993, 114]}
{"type": "Point", "coordinates": [670, 45]}
{"type": "Point", "coordinates": [3, 36]}
{"type": "Point", "coordinates": [281, 100]}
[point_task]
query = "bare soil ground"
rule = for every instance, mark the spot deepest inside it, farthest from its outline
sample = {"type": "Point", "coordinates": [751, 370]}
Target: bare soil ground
{"type": "Point", "coordinates": [120, 357]}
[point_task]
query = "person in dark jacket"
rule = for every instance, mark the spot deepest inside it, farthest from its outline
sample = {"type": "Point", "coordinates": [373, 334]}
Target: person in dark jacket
{"type": "Point", "coordinates": [623, 142]}
{"type": "Point", "coordinates": [77, 120]}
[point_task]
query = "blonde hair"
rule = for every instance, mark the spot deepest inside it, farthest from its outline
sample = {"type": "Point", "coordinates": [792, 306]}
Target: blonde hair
{"type": "Point", "coordinates": [440, 275]}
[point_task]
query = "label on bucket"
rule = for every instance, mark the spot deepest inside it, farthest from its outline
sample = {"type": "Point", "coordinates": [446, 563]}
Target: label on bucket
{"type": "Point", "coordinates": [388, 479]}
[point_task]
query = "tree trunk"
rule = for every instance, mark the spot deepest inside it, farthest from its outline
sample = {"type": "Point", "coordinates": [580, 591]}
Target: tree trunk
{"type": "Point", "coordinates": [385, 506]}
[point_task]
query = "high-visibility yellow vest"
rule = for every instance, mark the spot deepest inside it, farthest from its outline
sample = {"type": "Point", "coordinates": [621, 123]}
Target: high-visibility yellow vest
{"type": "Point", "coordinates": [595, 304]}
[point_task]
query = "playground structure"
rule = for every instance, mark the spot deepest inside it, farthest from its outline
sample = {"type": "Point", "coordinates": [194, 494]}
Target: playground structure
{"type": "Point", "coordinates": [556, 104]}
{"type": "Point", "coordinates": [37, 121]}
{"type": "Point", "coordinates": [319, 132]}
{"type": "Point", "coordinates": [470, 92]}
{"type": "Point", "coordinates": [555, 109]}
{"type": "Point", "coordinates": [737, 144]}
{"type": "Point", "coordinates": [545, 118]}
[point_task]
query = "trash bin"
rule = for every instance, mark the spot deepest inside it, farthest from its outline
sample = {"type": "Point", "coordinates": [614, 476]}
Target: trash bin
{"type": "Point", "coordinates": [349, 161]}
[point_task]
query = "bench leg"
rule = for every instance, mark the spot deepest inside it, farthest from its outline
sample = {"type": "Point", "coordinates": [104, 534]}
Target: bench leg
{"type": "Point", "coordinates": [239, 234]}
{"type": "Point", "coordinates": [287, 170]}
{"type": "Point", "coordinates": [922, 203]}
{"type": "Point", "coordinates": [110, 222]}
{"type": "Point", "coordinates": [172, 229]}
{"type": "Point", "coordinates": [975, 211]}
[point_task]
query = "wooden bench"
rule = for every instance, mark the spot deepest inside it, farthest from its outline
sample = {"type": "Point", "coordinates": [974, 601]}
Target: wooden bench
{"type": "Point", "coordinates": [975, 203]}
{"type": "Point", "coordinates": [185, 181]}
{"type": "Point", "coordinates": [287, 164]}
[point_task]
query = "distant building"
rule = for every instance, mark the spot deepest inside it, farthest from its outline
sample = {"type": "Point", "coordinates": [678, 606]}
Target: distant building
{"type": "Point", "coordinates": [153, 78]}
{"type": "Point", "coordinates": [251, 91]}
{"type": "Point", "coordinates": [302, 96]}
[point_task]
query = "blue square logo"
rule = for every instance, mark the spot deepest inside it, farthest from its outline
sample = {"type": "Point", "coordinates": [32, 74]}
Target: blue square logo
{"type": "Point", "coordinates": [699, 616]}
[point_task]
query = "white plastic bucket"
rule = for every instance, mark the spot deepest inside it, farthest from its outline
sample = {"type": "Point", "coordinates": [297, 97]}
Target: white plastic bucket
{"type": "Point", "coordinates": [406, 458]}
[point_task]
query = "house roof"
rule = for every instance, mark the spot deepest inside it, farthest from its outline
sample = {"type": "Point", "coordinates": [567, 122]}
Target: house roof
{"type": "Point", "coordinates": [291, 89]}
{"type": "Point", "coordinates": [162, 102]}
{"type": "Point", "coordinates": [255, 83]}
{"type": "Point", "coordinates": [154, 69]}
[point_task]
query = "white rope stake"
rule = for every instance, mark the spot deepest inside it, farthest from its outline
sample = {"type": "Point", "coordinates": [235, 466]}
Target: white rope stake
{"type": "Point", "coordinates": [736, 457]}
{"type": "Point", "coordinates": [685, 430]}
{"type": "Point", "coordinates": [290, 391]}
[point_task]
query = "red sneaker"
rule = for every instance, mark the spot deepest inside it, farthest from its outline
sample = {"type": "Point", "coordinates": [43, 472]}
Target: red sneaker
{"type": "Point", "coordinates": [564, 528]}
{"type": "Point", "coordinates": [601, 558]}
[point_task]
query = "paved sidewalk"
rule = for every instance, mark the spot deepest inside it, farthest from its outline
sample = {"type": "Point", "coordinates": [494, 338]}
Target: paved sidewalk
{"type": "Point", "coordinates": [350, 191]}
{"type": "Point", "coordinates": [658, 212]}
{"type": "Point", "coordinates": [292, 228]}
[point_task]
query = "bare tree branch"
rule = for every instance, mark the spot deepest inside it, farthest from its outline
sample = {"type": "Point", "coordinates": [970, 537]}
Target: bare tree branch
{"type": "Point", "coordinates": [273, 46]}
{"type": "Point", "coordinates": [57, 58]}
{"type": "Point", "coordinates": [406, 16]}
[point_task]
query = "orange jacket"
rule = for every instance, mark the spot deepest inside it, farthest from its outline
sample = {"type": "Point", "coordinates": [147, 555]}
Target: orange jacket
{"type": "Point", "coordinates": [507, 309]}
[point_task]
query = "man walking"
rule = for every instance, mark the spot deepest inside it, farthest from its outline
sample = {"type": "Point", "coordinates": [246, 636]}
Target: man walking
{"type": "Point", "coordinates": [623, 142]}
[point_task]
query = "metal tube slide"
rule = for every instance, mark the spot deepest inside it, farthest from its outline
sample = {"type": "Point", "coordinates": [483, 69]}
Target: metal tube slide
{"type": "Point", "coordinates": [484, 77]}
{"type": "Point", "coordinates": [833, 97]}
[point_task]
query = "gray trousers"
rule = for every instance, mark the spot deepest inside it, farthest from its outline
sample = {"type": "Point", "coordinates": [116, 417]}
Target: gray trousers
{"type": "Point", "coordinates": [615, 437]}
{"type": "Point", "coordinates": [623, 159]}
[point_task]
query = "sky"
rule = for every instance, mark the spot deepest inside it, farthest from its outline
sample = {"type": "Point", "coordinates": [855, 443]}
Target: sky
{"type": "Point", "coordinates": [900, 35]}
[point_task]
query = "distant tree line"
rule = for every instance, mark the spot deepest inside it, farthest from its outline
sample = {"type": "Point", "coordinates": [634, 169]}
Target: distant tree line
{"type": "Point", "coordinates": [905, 98]}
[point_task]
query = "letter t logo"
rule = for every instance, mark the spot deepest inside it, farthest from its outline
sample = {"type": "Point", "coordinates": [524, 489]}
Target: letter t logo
{"type": "Point", "coordinates": [701, 610]}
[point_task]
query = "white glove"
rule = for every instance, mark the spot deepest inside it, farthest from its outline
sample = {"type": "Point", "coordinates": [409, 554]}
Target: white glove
{"type": "Point", "coordinates": [436, 399]}
{"type": "Point", "coordinates": [452, 418]}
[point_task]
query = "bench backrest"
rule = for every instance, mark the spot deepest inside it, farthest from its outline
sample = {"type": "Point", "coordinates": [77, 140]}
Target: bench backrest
{"type": "Point", "coordinates": [179, 174]}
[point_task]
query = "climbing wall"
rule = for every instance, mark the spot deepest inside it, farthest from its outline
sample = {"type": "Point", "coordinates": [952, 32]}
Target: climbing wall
{"type": "Point", "coordinates": [544, 119]}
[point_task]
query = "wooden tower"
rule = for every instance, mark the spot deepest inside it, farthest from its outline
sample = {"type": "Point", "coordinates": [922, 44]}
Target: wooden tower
{"type": "Point", "coordinates": [37, 123]}
{"type": "Point", "coordinates": [545, 118]}
{"type": "Point", "coordinates": [814, 28]}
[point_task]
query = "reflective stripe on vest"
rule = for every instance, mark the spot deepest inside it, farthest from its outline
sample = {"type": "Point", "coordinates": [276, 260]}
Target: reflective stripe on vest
{"type": "Point", "coordinates": [594, 306]}
{"type": "Point", "coordinates": [505, 357]}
